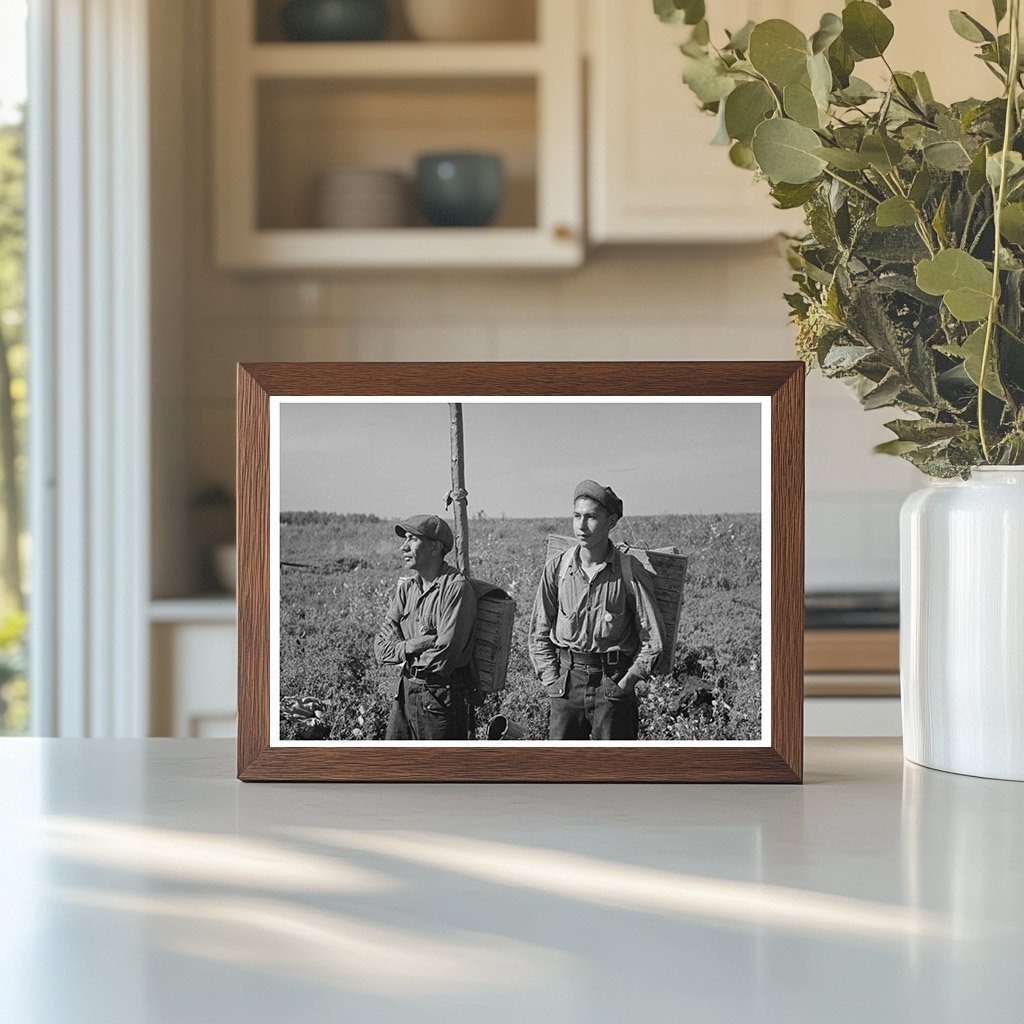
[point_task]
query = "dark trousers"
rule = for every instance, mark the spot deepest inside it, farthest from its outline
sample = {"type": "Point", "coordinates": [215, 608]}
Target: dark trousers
{"type": "Point", "coordinates": [592, 707]}
{"type": "Point", "coordinates": [435, 708]}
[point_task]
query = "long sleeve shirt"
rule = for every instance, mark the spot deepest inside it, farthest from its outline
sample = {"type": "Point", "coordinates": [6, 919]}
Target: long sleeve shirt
{"type": "Point", "coordinates": [444, 609]}
{"type": "Point", "coordinates": [594, 615]}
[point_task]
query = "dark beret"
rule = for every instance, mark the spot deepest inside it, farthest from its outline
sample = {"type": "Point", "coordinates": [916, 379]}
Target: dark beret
{"type": "Point", "coordinates": [602, 495]}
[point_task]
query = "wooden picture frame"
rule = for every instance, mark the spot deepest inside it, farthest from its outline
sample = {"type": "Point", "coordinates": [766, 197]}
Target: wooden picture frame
{"type": "Point", "coordinates": [778, 386]}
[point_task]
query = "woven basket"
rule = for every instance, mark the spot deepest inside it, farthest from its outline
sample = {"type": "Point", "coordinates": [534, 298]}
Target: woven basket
{"type": "Point", "coordinates": [495, 612]}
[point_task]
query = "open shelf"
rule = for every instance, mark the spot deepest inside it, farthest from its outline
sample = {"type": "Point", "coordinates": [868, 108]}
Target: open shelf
{"type": "Point", "coordinates": [306, 128]}
{"type": "Point", "coordinates": [519, 19]}
{"type": "Point", "coordinates": [288, 113]}
{"type": "Point", "coordinates": [394, 60]}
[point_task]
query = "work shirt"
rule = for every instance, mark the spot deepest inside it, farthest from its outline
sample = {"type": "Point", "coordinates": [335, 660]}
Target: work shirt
{"type": "Point", "coordinates": [444, 609]}
{"type": "Point", "coordinates": [594, 615]}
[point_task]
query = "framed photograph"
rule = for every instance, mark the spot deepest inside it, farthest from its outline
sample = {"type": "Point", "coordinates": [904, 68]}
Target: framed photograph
{"type": "Point", "coordinates": [520, 572]}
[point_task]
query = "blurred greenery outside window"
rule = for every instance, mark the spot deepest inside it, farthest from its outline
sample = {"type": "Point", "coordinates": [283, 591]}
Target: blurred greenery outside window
{"type": "Point", "coordinates": [14, 548]}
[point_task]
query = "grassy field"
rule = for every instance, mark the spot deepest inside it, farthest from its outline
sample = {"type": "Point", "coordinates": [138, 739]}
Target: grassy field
{"type": "Point", "coordinates": [338, 574]}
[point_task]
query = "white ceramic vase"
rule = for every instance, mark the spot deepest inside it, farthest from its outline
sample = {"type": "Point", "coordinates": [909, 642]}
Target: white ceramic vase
{"type": "Point", "coordinates": [962, 624]}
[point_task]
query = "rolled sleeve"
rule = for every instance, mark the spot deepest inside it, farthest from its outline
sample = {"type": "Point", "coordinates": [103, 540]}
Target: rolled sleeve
{"type": "Point", "coordinates": [543, 653]}
{"type": "Point", "coordinates": [650, 625]}
{"type": "Point", "coordinates": [389, 643]}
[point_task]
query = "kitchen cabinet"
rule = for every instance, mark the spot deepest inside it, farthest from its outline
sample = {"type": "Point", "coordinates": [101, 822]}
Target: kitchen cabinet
{"type": "Point", "coordinates": [653, 175]}
{"type": "Point", "coordinates": [287, 113]}
{"type": "Point", "coordinates": [193, 668]}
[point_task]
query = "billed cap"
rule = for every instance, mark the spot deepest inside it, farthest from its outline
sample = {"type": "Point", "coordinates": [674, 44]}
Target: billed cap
{"type": "Point", "coordinates": [430, 527]}
{"type": "Point", "coordinates": [602, 495]}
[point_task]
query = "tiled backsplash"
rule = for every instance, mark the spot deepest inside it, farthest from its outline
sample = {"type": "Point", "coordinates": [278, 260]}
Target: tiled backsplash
{"type": "Point", "coordinates": [700, 303]}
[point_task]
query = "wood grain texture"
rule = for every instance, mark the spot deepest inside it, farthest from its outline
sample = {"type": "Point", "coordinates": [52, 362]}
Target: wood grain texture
{"type": "Point", "coordinates": [539, 762]}
{"type": "Point", "coordinates": [252, 487]}
{"type": "Point", "coordinates": [787, 569]}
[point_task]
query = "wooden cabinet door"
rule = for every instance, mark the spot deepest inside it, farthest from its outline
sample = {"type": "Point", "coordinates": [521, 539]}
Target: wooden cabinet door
{"type": "Point", "coordinates": [653, 174]}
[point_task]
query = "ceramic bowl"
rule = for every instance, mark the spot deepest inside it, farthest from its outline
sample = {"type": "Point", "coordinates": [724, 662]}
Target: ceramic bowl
{"type": "Point", "coordinates": [360, 197]}
{"type": "Point", "coordinates": [334, 20]}
{"type": "Point", "coordinates": [469, 20]}
{"type": "Point", "coordinates": [460, 189]}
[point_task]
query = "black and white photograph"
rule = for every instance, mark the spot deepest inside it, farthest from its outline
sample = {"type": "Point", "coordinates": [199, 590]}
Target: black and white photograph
{"type": "Point", "coordinates": [531, 571]}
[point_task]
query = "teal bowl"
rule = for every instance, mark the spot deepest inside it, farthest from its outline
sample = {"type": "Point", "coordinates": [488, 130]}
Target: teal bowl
{"type": "Point", "coordinates": [334, 21]}
{"type": "Point", "coordinates": [462, 190]}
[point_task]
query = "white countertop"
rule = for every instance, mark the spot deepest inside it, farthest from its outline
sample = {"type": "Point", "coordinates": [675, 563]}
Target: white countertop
{"type": "Point", "coordinates": [144, 885]}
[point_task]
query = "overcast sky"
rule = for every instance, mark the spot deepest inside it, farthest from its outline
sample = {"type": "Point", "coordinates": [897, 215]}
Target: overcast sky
{"type": "Point", "coordinates": [522, 459]}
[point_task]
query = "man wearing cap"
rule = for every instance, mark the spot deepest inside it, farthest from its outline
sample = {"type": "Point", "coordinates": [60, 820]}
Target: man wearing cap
{"type": "Point", "coordinates": [596, 629]}
{"type": "Point", "coordinates": [428, 631]}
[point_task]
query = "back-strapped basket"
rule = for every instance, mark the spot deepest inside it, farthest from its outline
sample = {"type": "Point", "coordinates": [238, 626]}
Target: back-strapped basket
{"type": "Point", "coordinates": [668, 570]}
{"type": "Point", "coordinates": [495, 612]}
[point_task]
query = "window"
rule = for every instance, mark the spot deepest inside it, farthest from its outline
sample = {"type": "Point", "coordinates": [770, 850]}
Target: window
{"type": "Point", "coordinates": [14, 548]}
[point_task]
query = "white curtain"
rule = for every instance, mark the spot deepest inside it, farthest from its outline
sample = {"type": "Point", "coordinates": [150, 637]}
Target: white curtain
{"type": "Point", "coordinates": [88, 320]}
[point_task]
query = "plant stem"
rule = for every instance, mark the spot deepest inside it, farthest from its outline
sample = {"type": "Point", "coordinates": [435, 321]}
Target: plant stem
{"type": "Point", "coordinates": [993, 309]}
{"type": "Point", "coordinates": [922, 225]}
{"type": "Point", "coordinates": [855, 187]}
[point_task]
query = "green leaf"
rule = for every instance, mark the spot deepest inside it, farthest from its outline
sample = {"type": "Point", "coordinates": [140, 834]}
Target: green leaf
{"type": "Point", "coordinates": [676, 12]}
{"type": "Point", "coordinates": [1014, 169]}
{"type": "Point", "coordinates": [789, 197]}
{"type": "Point", "coordinates": [707, 80]}
{"type": "Point", "coordinates": [1011, 226]}
{"type": "Point", "coordinates": [721, 137]}
{"type": "Point", "coordinates": [968, 28]}
{"type": "Point", "coordinates": [976, 175]}
{"type": "Point", "coordinates": [844, 159]}
{"type": "Point", "coordinates": [820, 76]}
{"type": "Point", "coordinates": [800, 105]}
{"type": "Point", "coordinates": [971, 352]}
{"type": "Point", "coordinates": [859, 91]}
{"type": "Point", "coordinates": [906, 89]}
{"type": "Point", "coordinates": [939, 220]}
{"type": "Point", "coordinates": [785, 152]}
{"type": "Point", "coordinates": [778, 50]}
{"type": "Point", "coordinates": [895, 447]}
{"type": "Point", "coordinates": [963, 281]}
{"type": "Point", "coordinates": [924, 88]}
{"type": "Point", "coordinates": [739, 41]}
{"type": "Point", "coordinates": [896, 212]}
{"type": "Point", "coordinates": [841, 60]}
{"type": "Point", "coordinates": [883, 153]}
{"type": "Point", "coordinates": [921, 186]}
{"type": "Point", "coordinates": [830, 29]}
{"type": "Point", "coordinates": [742, 155]}
{"type": "Point", "coordinates": [745, 108]}
{"type": "Point", "coordinates": [923, 431]}
{"type": "Point", "coordinates": [885, 394]}
{"type": "Point", "coordinates": [694, 11]}
{"type": "Point", "coordinates": [866, 29]}
{"type": "Point", "coordinates": [946, 156]}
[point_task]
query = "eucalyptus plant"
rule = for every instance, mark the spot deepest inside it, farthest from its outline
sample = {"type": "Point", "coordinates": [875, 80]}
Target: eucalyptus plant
{"type": "Point", "coordinates": [911, 276]}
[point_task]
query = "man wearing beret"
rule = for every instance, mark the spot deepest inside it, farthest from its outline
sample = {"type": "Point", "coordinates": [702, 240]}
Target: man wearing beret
{"type": "Point", "coordinates": [596, 629]}
{"type": "Point", "coordinates": [428, 631]}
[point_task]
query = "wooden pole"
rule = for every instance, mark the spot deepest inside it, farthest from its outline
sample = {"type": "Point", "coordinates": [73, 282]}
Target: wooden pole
{"type": "Point", "coordinates": [458, 492]}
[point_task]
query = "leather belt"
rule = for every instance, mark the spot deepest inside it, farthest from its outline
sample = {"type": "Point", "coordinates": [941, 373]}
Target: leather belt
{"type": "Point", "coordinates": [593, 659]}
{"type": "Point", "coordinates": [425, 674]}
